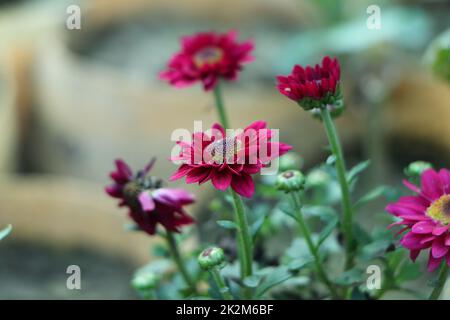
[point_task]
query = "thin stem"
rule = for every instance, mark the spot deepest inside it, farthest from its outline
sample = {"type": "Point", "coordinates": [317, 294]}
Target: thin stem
{"type": "Point", "coordinates": [173, 248]}
{"type": "Point", "coordinates": [224, 290]}
{"type": "Point", "coordinates": [244, 239]}
{"type": "Point", "coordinates": [312, 248]}
{"type": "Point", "coordinates": [442, 278]}
{"type": "Point", "coordinates": [220, 106]}
{"type": "Point", "coordinates": [347, 219]}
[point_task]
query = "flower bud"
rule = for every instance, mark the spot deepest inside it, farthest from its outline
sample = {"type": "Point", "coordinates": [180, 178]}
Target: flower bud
{"type": "Point", "coordinates": [211, 257]}
{"type": "Point", "coordinates": [416, 168]}
{"type": "Point", "coordinates": [437, 56]}
{"type": "Point", "coordinates": [318, 178]}
{"type": "Point", "coordinates": [145, 281]}
{"type": "Point", "coordinates": [291, 161]}
{"type": "Point", "coordinates": [291, 180]}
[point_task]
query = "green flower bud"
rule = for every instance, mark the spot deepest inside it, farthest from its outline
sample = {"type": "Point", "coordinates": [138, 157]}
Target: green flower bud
{"type": "Point", "coordinates": [318, 178]}
{"type": "Point", "coordinates": [145, 281]}
{"type": "Point", "coordinates": [437, 56]}
{"type": "Point", "coordinates": [211, 257]}
{"type": "Point", "coordinates": [291, 161]}
{"type": "Point", "coordinates": [416, 168]}
{"type": "Point", "coordinates": [291, 180]}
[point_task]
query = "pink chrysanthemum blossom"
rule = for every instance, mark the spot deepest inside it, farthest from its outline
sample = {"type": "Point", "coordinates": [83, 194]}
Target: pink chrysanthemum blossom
{"type": "Point", "coordinates": [426, 217]}
{"type": "Point", "coordinates": [207, 57]}
{"type": "Point", "coordinates": [313, 87]}
{"type": "Point", "coordinates": [148, 203]}
{"type": "Point", "coordinates": [228, 159]}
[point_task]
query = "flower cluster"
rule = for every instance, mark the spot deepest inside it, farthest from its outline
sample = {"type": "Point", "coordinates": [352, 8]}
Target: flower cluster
{"type": "Point", "coordinates": [149, 204]}
{"type": "Point", "coordinates": [207, 57]}
{"type": "Point", "coordinates": [230, 159]}
{"type": "Point", "coordinates": [425, 217]}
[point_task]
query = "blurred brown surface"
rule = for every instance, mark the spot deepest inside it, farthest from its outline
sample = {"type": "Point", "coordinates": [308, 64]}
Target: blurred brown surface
{"type": "Point", "coordinates": [68, 213]}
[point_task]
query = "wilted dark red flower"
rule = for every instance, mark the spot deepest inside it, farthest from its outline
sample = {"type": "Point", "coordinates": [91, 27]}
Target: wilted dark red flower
{"type": "Point", "coordinates": [426, 217]}
{"type": "Point", "coordinates": [313, 87]}
{"type": "Point", "coordinates": [228, 160]}
{"type": "Point", "coordinates": [207, 57]}
{"type": "Point", "coordinates": [148, 203]}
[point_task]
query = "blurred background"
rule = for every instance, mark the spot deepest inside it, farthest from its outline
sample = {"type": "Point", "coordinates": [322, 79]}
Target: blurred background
{"type": "Point", "coordinates": [71, 101]}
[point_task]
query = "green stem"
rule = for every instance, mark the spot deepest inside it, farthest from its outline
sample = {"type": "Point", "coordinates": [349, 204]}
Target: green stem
{"type": "Point", "coordinates": [244, 238]}
{"type": "Point", "coordinates": [313, 249]}
{"type": "Point", "coordinates": [442, 278]}
{"type": "Point", "coordinates": [347, 219]}
{"type": "Point", "coordinates": [173, 248]}
{"type": "Point", "coordinates": [220, 106]}
{"type": "Point", "coordinates": [224, 290]}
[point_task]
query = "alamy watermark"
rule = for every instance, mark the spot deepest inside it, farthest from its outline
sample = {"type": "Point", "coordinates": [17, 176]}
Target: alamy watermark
{"type": "Point", "coordinates": [373, 21]}
{"type": "Point", "coordinates": [73, 20]}
{"type": "Point", "coordinates": [73, 281]}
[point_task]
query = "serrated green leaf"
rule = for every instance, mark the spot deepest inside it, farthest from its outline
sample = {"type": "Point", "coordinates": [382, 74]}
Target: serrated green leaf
{"type": "Point", "coordinates": [5, 232]}
{"type": "Point", "coordinates": [227, 224]}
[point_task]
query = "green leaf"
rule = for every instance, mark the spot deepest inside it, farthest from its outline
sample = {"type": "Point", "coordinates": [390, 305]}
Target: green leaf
{"type": "Point", "coordinates": [5, 232]}
{"type": "Point", "coordinates": [227, 224]}
{"type": "Point", "coordinates": [289, 211]}
{"type": "Point", "coordinates": [256, 226]}
{"type": "Point", "coordinates": [160, 251]}
{"type": "Point", "coordinates": [408, 272]}
{"type": "Point", "coordinates": [351, 277]}
{"type": "Point", "coordinates": [374, 249]}
{"type": "Point", "coordinates": [275, 277]}
{"type": "Point", "coordinates": [299, 263]}
{"type": "Point", "coordinates": [327, 230]}
{"type": "Point", "coordinates": [372, 195]}
{"type": "Point", "coordinates": [253, 281]}
{"type": "Point", "coordinates": [326, 214]}
{"type": "Point", "coordinates": [331, 160]}
{"type": "Point", "coordinates": [361, 235]}
{"type": "Point", "coordinates": [357, 170]}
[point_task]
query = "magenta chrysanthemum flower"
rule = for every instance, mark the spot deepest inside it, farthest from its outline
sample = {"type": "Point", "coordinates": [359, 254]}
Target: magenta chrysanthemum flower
{"type": "Point", "coordinates": [313, 87]}
{"type": "Point", "coordinates": [148, 203]}
{"type": "Point", "coordinates": [207, 57]}
{"type": "Point", "coordinates": [426, 217]}
{"type": "Point", "coordinates": [228, 159]}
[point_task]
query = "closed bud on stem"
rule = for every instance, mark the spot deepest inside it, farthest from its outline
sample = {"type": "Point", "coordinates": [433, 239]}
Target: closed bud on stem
{"type": "Point", "coordinates": [145, 281]}
{"type": "Point", "coordinates": [416, 168]}
{"type": "Point", "coordinates": [291, 180]}
{"type": "Point", "coordinates": [211, 258]}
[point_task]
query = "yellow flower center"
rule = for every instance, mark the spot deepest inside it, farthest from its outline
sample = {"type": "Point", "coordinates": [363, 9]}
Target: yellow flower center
{"type": "Point", "coordinates": [223, 150]}
{"type": "Point", "coordinates": [208, 55]}
{"type": "Point", "coordinates": [440, 209]}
